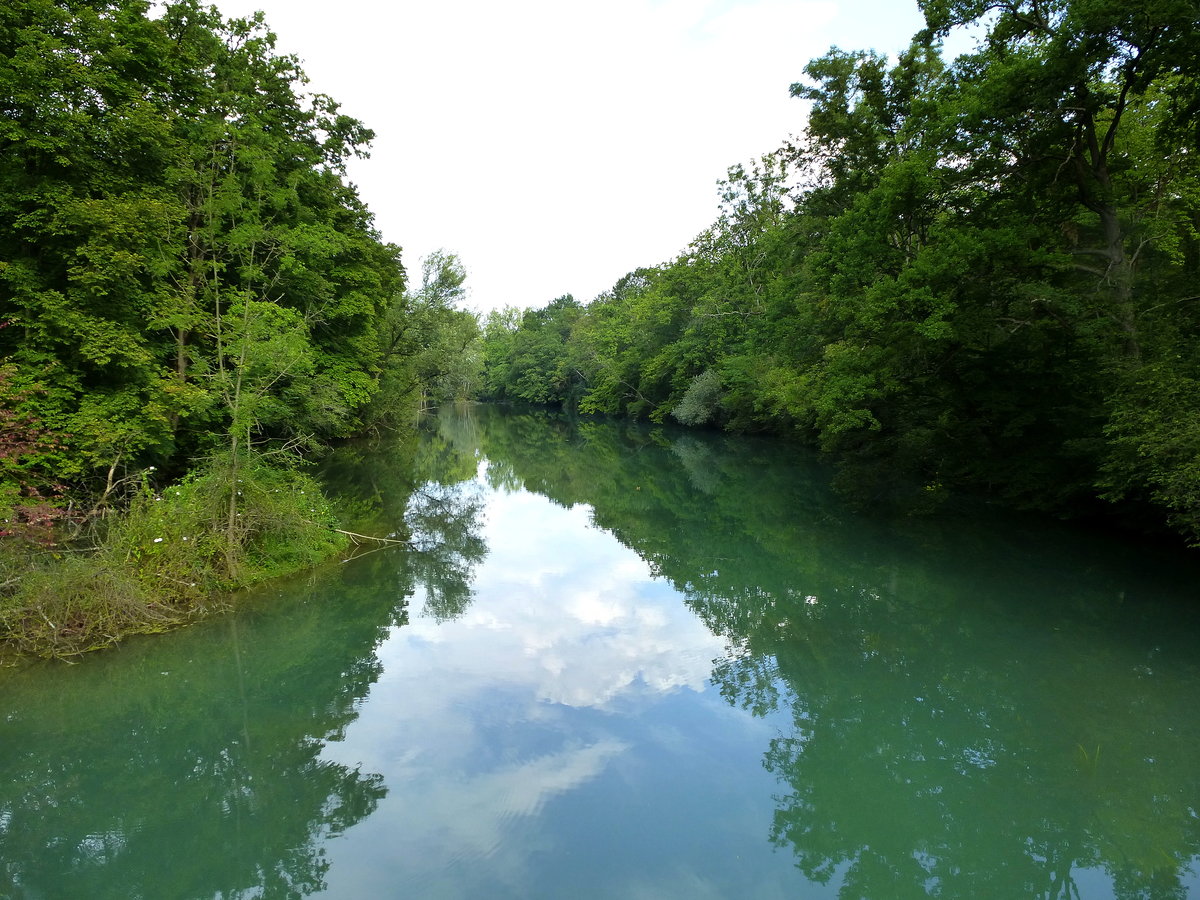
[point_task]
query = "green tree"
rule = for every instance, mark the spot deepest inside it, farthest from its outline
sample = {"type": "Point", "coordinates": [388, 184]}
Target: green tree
{"type": "Point", "coordinates": [187, 282]}
{"type": "Point", "coordinates": [1084, 103]}
{"type": "Point", "coordinates": [427, 345]}
{"type": "Point", "coordinates": [159, 173]}
{"type": "Point", "coordinates": [535, 362]}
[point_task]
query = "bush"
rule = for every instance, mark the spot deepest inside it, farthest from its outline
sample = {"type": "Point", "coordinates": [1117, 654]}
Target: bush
{"type": "Point", "coordinates": [80, 604]}
{"type": "Point", "coordinates": [701, 401]}
{"type": "Point", "coordinates": [235, 522]}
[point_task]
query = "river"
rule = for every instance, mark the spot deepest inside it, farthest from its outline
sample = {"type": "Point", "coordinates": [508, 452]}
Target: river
{"type": "Point", "coordinates": [631, 662]}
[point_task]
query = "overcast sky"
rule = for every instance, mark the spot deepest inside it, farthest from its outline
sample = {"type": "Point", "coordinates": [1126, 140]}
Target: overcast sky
{"type": "Point", "coordinates": [557, 145]}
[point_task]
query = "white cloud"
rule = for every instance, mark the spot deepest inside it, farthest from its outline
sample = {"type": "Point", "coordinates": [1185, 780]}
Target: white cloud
{"type": "Point", "coordinates": [430, 828]}
{"type": "Point", "coordinates": [583, 628]}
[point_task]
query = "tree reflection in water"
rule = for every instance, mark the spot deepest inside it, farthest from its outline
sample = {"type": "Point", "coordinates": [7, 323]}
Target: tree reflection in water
{"type": "Point", "coordinates": [967, 706]}
{"type": "Point", "coordinates": [220, 759]}
{"type": "Point", "coordinates": [430, 499]}
{"type": "Point", "coordinates": [981, 706]}
{"type": "Point", "coordinates": [446, 546]}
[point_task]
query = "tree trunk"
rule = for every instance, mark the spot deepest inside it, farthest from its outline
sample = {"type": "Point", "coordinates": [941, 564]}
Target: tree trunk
{"type": "Point", "coordinates": [1119, 275]}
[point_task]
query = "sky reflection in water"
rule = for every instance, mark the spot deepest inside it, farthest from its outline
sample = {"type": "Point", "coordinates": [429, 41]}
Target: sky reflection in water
{"type": "Point", "coordinates": [559, 676]}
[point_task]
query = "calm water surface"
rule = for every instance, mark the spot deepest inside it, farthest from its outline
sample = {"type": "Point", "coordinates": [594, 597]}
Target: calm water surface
{"type": "Point", "coordinates": [631, 662]}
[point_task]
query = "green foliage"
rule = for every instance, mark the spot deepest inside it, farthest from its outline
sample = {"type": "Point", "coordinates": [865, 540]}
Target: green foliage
{"type": "Point", "coordinates": [172, 207]}
{"type": "Point", "coordinates": [1154, 435]}
{"type": "Point", "coordinates": [701, 400]}
{"type": "Point", "coordinates": [185, 274]}
{"type": "Point", "coordinates": [533, 359]}
{"type": "Point", "coordinates": [282, 523]}
{"type": "Point", "coordinates": [978, 274]}
{"type": "Point", "coordinates": [26, 484]}
{"type": "Point", "coordinates": [427, 346]}
{"type": "Point", "coordinates": [77, 605]}
{"type": "Point", "coordinates": [165, 560]}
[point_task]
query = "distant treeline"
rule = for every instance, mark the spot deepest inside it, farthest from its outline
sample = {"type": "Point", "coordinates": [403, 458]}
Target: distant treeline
{"type": "Point", "coordinates": [979, 274]}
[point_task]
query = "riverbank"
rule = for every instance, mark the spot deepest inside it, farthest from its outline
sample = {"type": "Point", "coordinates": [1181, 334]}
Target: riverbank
{"type": "Point", "coordinates": [175, 555]}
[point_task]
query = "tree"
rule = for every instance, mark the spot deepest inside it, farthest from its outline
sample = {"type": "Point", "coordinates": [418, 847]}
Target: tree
{"type": "Point", "coordinates": [427, 345]}
{"type": "Point", "coordinates": [189, 284]}
{"type": "Point", "coordinates": [160, 176]}
{"type": "Point", "coordinates": [1070, 76]}
{"type": "Point", "coordinates": [977, 274]}
{"type": "Point", "coordinates": [1085, 102]}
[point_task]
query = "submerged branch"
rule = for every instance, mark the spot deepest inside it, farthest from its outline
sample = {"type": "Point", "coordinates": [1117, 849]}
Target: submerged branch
{"type": "Point", "coordinates": [355, 536]}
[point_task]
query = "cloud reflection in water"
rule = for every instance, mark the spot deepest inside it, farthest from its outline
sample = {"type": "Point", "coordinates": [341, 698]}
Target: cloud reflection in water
{"type": "Point", "coordinates": [477, 723]}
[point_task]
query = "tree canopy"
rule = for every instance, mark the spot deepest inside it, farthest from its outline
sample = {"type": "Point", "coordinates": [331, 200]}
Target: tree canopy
{"type": "Point", "coordinates": [180, 254]}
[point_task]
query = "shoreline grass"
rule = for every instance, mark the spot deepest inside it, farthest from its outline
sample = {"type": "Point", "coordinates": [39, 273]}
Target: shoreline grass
{"type": "Point", "coordinates": [174, 556]}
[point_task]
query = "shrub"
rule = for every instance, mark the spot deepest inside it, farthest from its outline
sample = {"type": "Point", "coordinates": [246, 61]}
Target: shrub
{"type": "Point", "coordinates": [80, 604]}
{"type": "Point", "coordinates": [701, 400]}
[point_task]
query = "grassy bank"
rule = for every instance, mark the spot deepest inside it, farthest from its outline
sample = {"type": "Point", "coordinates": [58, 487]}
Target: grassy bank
{"type": "Point", "coordinates": [172, 556]}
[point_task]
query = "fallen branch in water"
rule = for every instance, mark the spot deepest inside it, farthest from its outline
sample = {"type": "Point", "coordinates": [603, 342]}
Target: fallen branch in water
{"type": "Point", "coordinates": [355, 536]}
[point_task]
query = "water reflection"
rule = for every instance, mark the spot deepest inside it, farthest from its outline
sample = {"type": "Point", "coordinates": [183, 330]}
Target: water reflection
{"type": "Point", "coordinates": [192, 765]}
{"type": "Point", "coordinates": [446, 545]}
{"type": "Point", "coordinates": [528, 715]}
{"type": "Point", "coordinates": [423, 492]}
{"type": "Point", "coordinates": [126, 774]}
{"type": "Point", "coordinates": [622, 661]}
{"type": "Point", "coordinates": [974, 711]}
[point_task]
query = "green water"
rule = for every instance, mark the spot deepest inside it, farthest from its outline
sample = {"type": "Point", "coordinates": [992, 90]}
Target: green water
{"type": "Point", "coordinates": [631, 662]}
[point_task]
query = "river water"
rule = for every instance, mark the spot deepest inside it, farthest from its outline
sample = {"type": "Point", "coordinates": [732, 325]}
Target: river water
{"type": "Point", "coordinates": [623, 661]}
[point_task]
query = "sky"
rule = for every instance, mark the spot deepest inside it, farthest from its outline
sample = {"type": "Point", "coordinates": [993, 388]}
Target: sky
{"type": "Point", "coordinates": [557, 145]}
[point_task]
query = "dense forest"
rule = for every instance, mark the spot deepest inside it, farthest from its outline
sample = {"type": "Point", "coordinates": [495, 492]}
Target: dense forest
{"type": "Point", "coordinates": [192, 298]}
{"type": "Point", "coordinates": [977, 274]}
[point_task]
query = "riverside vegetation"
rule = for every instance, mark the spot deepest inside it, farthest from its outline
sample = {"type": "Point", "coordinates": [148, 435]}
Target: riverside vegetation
{"type": "Point", "coordinates": [193, 300]}
{"type": "Point", "coordinates": [977, 274]}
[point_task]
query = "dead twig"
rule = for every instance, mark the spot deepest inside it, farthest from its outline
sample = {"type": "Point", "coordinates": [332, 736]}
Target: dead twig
{"type": "Point", "coordinates": [355, 536]}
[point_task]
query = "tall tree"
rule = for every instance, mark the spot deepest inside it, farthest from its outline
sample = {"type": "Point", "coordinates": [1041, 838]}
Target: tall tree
{"type": "Point", "coordinates": [426, 342]}
{"type": "Point", "coordinates": [1055, 89]}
